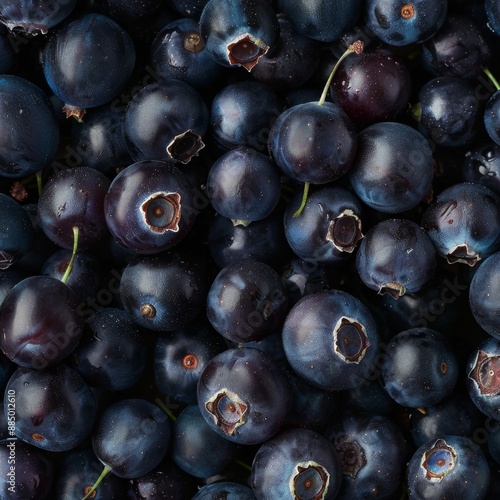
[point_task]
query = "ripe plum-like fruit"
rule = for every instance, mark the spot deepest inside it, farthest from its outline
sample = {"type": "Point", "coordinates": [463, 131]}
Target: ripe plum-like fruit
{"type": "Point", "coordinates": [39, 322]}
{"type": "Point", "coordinates": [163, 292]}
{"type": "Point", "coordinates": [247, 301]}
{"type": "Point", "coordinates": [421, 368]}
{"type": "Point", "coordinates": [401, 23]}
{"type": "Point", "coordinates": [237, 395]}
{"type": "Point", "coordinates": [166, 121]}
{"type": "Point", "coordinates": [331, 340]}
{"type": "Point", "coordinates": [393, 169]}
{"type": "Point", "coordinates": [297, 463]}
{"type": "Point", "coordinates": [30, 142]}
{"type": "Point", "coordinates": [55, 409]}
{"type": "Point", "coordinates": [449, 465]}
{"type": "Point", "coordinates": [239, 32]}
{"type": "Point", "coordinates": [150, 206]}
{"type": "Point", "coordinates": [463, 222]}
{"type": "Point", "coordinates": [77, 51]}
{"type": "Point", "coordinates": [74, 198]}
{"type": "Point", "coordinates": [131, 437]}
{"type": "Point", "coordinates": [373, 87]}
{"type": "Point", "coordinates": [396, 256]}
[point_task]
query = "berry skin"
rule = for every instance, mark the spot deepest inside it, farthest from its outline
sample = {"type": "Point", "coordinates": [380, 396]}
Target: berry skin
{"type": "Point", "coordinates": [239, 32]}
{"type": "Point", "coordinates": [131, 437]}
{"type": "Point", "coordinates": [244, 185]}
{"type": "Point", "coordinates": [229, 490]}
{"type": "Point", "coordinates": [420, 368]}
{"type": "Point", "coordinates": [459, 48]}
{"type": "Point", "coordinates": [400, 23]}
{"type": "Point", "coordinates": [450, 112]}
{"type": "Point", "coordinates": [150, 206]}
{"type": "Point", "coordinates": [180, 357]}
{"type": "Point", "coordinates": [396, 256]}
{"type": "Point", "coordinates": [39, 322]}
{"type": "Point", "coordinates": [322, 20]}
{"type": "Point", "coordinates": [33, 475]}
{"type": "Point", "coordinates": [79, 50]}
{"type": "Point", "coordinates": [393, 169]}
{"type": "Point", "coordinates": [483, 376]}
{"type": "Point", "coordinates": [16, 233]}
{"type": "Point", "coordinates": [163, 292]}
{"type": "Point", "coordinates": [297, 463]}
{"type": "Point", "coordinates": [237, 395]}
{"type": "Point", "coordinates": [313, 143]}
{"type": "Point", "coordinates": [482, 165]}
{"type": "Point", "coordinates": [74, 198]}
{"type": "Point", "coordinates": [450, 466]}
{"type": "Point", "coordinates": [166, 121]}
{"type": "Point", "coordinates": [32, 17]}
{"type": "Point", "coordinates": [55, 408]}
{"type": "Point", "coordinates": [247, 301]}
{"type": "Point", "coordinates": [373, 87]}
{"type": "Point", "coordinates": [463, 222]}
{"type": "Point", "coordinates": [331, 340]}
{"type": "Point", "coordinates": [329, 227]}
{"type": "Point", "coordinates": [30, 143]}
{"type": "Point", "coordinates": [197, 449]}
{"type": "Point", "coordinates": [484, 295]}
{"type": "Point", "coordinates": [372, 452]}
{"type": "Point", "coordinates": [178, 52]}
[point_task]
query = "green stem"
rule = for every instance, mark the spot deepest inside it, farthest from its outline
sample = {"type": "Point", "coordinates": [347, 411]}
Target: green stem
{"type": "Point", "coordinates": [167, 410]}
{"type": "Point", "coordinates": [76, 233]}
{"type": "Point", "coordinates": [243, 464]}
{"type": "Point", "coordinates": [39, 182]}
{"type": "Point", "coordinates": [104, 473]}
{"type": "Point", "coordinates": [416, 111]}
{"type": "Point", "coordinates": [356, 47]}
{"type": "Point", "coordinates": [304, 199]}
{"type": "Point", "coordinates": [493, 80]}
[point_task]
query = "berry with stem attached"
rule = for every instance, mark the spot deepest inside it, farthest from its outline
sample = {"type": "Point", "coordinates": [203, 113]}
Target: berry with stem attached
{"type": "Point", "coordinates": [315, 142]}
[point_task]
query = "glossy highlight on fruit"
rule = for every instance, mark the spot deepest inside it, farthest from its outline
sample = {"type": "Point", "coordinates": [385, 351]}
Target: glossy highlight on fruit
{"type": "Point", "coordinates": [396, 256]}
{"type": "Point", "coordinates": [150, 207]}
{"type": "Point", "coordinates": [441, 466]}
{"type": "Point", "coordinates": [236, 278]}
{"type": "Point", "coordinates": [80, 49]}
{"type": "Point", "coordinates": [33, 17]}
{"type": "Point", "coordinates": [463, 222]}
{"type": "Point", "coordinates": [297, 463]}
{"type": "Point", "coordinates": [39, 322]}
{"type": "Point", "coordinates": [331, 339]}
{"type": "Point", "coordinates": [313, 143]}
{"type": "Point", "coordinates": [236, 395]}
{"type": "Point", "coordinates": [166, 121]}
{"type": "Point", "coordinates": [393, 169]}
{"type": "Point", "coordinates": [55, 408]}
{"type": "Point", "coordinates": [30, 142]}
{"type": "Point", "coordinates": [401, 23]}
{"type": "Point", "coordinates": [238, 32]}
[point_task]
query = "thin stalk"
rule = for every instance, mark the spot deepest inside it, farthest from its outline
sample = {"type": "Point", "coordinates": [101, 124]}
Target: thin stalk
{"type": "Point", "coordinates": [104, 473]}
{"type": "Point", "coordinates": [39, 182]}
{"type": "Point", "coordinates": [304, 199]}
{"type": "Point", "coordinates": [76, 233]}
{"type": "Point", "coordinates": [166, 409]}
{"type": "Point", "coordinates": [493, 80]}
{"type": "Point", "coordinates": [356, 47]}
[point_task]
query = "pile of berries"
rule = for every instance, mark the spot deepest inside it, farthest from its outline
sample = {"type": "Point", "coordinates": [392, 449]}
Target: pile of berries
{"type": "Point", "coordinates": [249, 249]}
